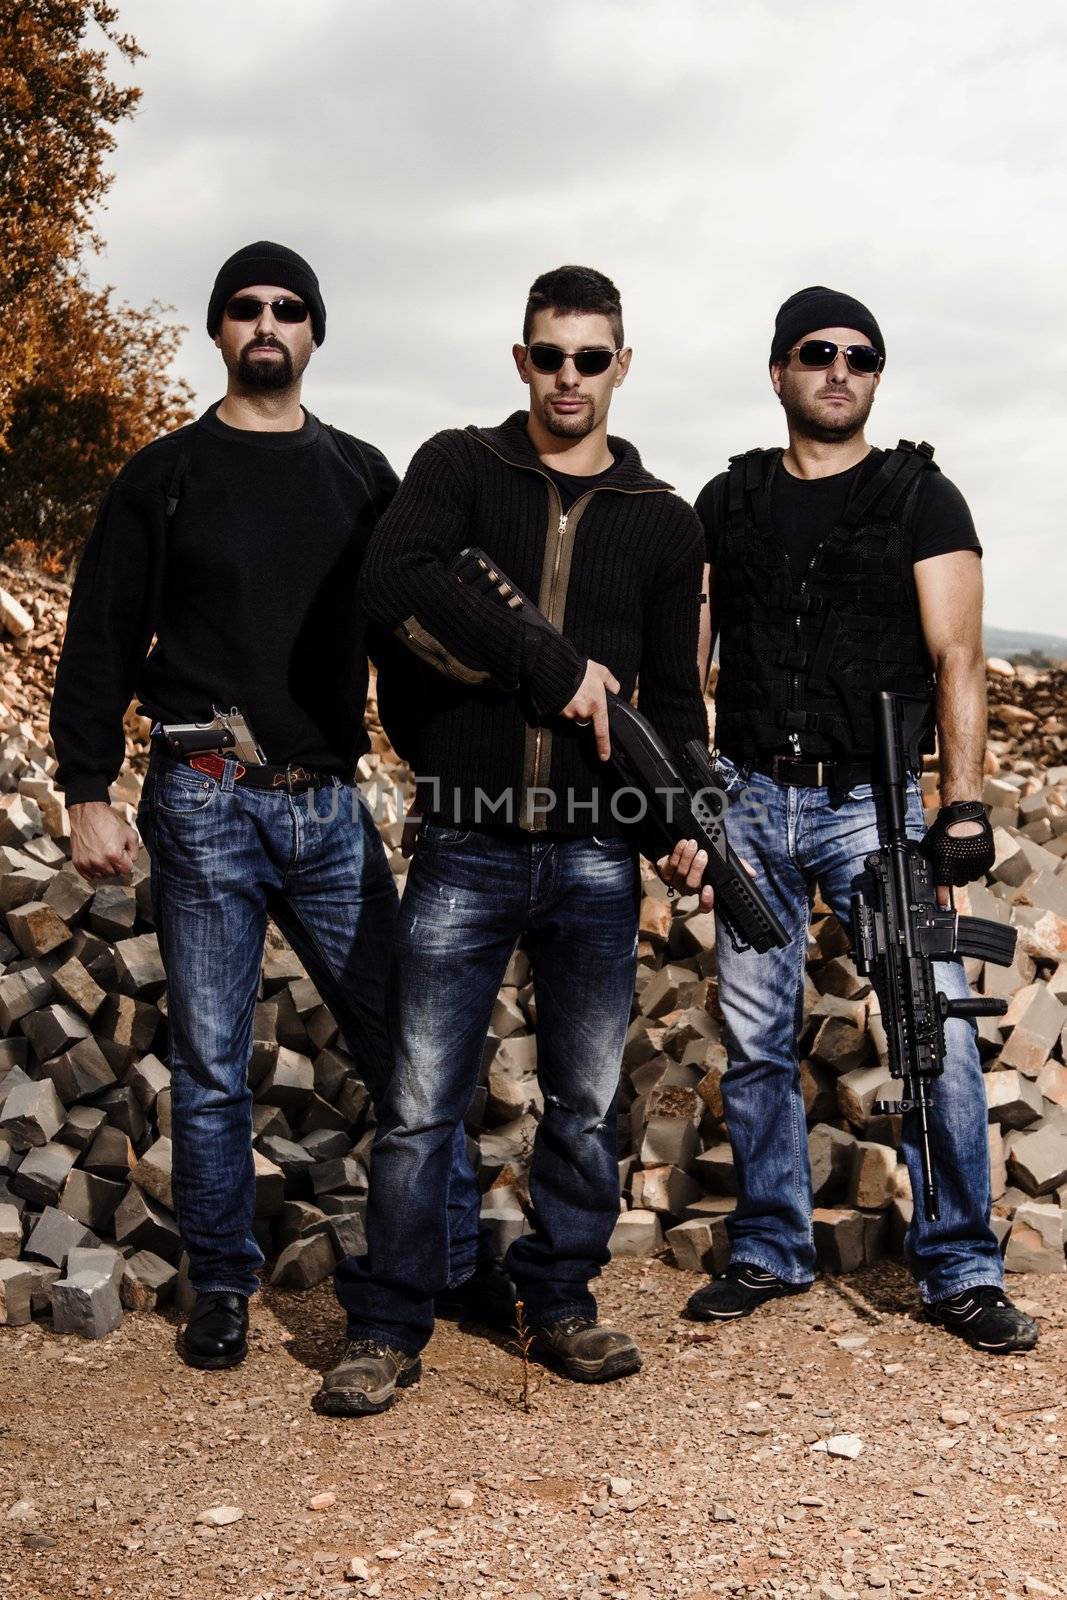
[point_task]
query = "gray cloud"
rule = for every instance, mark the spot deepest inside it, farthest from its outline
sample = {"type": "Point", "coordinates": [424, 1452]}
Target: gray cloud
{"type": "Point", "coordinates": [431, 156]}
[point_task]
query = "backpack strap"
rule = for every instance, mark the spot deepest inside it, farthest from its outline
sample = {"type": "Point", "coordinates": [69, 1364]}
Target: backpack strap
{"type": "Point", "coordinates": [748, 485]}
{"type": "Point", "coordinates": [181, 467]}
{"type": "Point", "coordinates": [890, 483]}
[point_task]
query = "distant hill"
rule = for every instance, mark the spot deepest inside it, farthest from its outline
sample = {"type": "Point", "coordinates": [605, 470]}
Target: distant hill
{"type": "Point", "coordinates": [1012, 642]}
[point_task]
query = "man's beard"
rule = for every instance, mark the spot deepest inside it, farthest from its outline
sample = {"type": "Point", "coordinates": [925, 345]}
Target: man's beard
{"type": "Point", "coordinates": [265, 375]}
{"type": "Point", "coordinates": [811, 424]}
{"type": "Point", "coordinates": [575, 427]}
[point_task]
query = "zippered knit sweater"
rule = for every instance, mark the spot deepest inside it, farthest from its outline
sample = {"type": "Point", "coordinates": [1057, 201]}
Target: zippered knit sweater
{"type": "Point", "coordinates": [619, 575]}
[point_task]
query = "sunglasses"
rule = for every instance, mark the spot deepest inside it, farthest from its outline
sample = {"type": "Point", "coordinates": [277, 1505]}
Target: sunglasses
{"type": "Point", "coordinates": [823, 353]}
{"type": "Point", "coordinates": [589, 363]}
{"type": "Point", "coordinates": [246, 308]}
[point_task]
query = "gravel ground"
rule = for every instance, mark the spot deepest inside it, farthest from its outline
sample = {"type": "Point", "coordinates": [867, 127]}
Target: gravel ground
{"type": "Point", "coordinates": [695, 1478]}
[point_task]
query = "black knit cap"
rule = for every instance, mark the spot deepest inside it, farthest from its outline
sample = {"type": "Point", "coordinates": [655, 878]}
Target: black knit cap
{"type": "Point", "coordinates": [818, 307]}
{"type": "Point", "coordinates": [265, 262]}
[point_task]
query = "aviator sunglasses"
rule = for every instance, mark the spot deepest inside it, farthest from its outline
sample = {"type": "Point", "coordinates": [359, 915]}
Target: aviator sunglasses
{"type": "Point", "coordinates": [823, 353]}
{"type": "Point", "coordinates": [246, 308]}
{"type": "Point", "coordinates": [589, 363]}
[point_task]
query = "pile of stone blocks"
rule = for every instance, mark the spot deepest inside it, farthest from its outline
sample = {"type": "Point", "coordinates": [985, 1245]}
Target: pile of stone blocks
{"type": "Point", "coordinates": [86, 1220]}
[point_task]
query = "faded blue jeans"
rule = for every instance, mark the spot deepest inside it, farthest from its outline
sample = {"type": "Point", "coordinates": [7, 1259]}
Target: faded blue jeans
{"type": "Point", "coordinates": [224, 857]}
{"type": "Point", "coordinates": [796, 840]}
{"type": "Point", "coordinates": [470, 896]}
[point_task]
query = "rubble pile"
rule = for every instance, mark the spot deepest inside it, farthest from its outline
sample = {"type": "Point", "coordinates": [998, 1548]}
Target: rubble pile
{"type": "Point", "coordinates": [86, 1221]}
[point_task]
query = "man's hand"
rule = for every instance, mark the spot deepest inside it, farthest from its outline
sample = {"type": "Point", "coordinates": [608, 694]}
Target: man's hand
{"type": "Point", "coordinates": [590, 704]}
{"type": "Point", "coordinates": [102, 846]}
{"type": "Point", "coordinates": [683, 871]}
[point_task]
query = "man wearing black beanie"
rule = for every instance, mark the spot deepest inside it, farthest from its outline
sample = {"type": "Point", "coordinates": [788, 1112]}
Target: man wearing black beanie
{"type": "Point", "coordinates": [835, 570]}
{"type": "Point", "coordinates": [236, 543]}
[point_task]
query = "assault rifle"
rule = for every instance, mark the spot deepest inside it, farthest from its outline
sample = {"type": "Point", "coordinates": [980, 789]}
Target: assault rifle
{"type": "Point", "coordinates": [899, 931]}
{"type": "Point", "coordinates": [680, 804]}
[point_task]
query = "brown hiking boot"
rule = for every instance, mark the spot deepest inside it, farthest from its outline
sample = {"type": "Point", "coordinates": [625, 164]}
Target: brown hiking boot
{"type": "Point", "coordinates": [366, 1379]}
{"type": "Point", "coordinates": [588, 1352]}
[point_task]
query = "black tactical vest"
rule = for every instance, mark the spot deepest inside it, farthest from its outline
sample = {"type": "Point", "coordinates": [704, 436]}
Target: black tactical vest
{"type": "Point", "coordinates": [801, 653]}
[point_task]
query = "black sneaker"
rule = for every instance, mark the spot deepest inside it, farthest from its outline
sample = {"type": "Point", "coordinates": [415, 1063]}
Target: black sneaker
{"type": "Point", "coordinates": [737, 1292]}
{"type": "Point", "coordinates": [487, 1298]}
{"type": "Point", "coordinates": [586, 1351]}
{"type": "Point", "coordinates": [986, 1318]}
{"type": "Point", "coordinates": [366, 1379]}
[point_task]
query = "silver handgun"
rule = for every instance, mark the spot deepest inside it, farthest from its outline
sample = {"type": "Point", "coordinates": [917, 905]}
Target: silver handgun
{"type": "Point", "coordinates": [229, 730]}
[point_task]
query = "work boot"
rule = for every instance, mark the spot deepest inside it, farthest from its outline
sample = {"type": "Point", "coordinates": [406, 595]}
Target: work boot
{"type": "Point", "coordinates": [587, 1352]}
{"type": "Point", "coordinates": [986, 1318]}
{"type": "Point", "coordinates": [216, 1334]}
{"type": "Point", "coordinates": [366, 1379]}
{"type": "Point", "coordinates": [487, 1297]}
{"type": "Point", "coordinates": [737, 1292]}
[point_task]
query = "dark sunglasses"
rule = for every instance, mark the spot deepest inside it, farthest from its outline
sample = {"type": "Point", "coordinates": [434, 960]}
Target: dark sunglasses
{"type": "Point", "coordinates": [589, 363]}
{"type": "Point", "coordinates": [823, 353]}
{"type": "Point", "coordinates": [246, 308]}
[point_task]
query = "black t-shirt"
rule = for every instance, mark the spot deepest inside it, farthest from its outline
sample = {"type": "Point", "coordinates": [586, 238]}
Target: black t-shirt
{"type": "Point", "coordinates": [805, 510]}
{"type": "Point", "coordinates": [571, 487]}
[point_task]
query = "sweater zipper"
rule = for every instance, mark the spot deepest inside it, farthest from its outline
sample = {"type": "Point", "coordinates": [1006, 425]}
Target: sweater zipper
{"type": "Point", "coordinates": [552, 601]}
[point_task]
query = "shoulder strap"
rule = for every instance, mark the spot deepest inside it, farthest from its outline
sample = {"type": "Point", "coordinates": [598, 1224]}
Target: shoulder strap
{"type": "Point", "coordinates": [748, 477]}
{"type": "Point", "coordinates": [181, 467]}
{"type": "Point", "coordinates": [890, 483]}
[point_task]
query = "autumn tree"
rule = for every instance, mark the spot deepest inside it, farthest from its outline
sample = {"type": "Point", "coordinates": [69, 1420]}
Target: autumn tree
{"type": "Point", "coordinates": [84, 381]}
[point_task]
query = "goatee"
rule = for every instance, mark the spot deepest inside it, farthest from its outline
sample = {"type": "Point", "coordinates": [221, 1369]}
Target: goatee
{"type": "Point", "coordinates": [265, 375]}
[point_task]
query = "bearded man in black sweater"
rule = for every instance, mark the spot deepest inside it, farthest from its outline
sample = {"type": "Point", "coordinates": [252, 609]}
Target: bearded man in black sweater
{"type": "Point", "coordinates": [237, 543]}
{"type": "Point", "coordinates": [520, 836]}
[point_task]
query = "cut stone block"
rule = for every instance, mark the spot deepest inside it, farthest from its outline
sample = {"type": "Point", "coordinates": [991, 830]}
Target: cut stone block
{"type": "Point", "coordinates": [53, 1029]}
{"type": "Point", "coordinates": [10, 1232]}
{"type": "Point", "coordinates": [147, 1282]}
{"type": "Point", "coordinates": [715, 1168]}
{"type": "Point", "coordinates": [846, 1240]}
{"type": "Point", "coordinates": [270, 1186]}
{"type": "Point", "coordinates": [90, 1199]}
{"type": "Point", "coordinates": [503, 1219]}
{"type": "Point", "coordinates": [113, 911]}
{"type": "Point", "coordinates": [32, 1114]}
{"type": "Point", "coordinates": [145, 1226]}
{"type": "Point", "coordinates": [128, 1024]}
{"type": "Point", "coordinates": [139, 966]}
{"type": "Point", "coordinates": [872, 1178]}
{"type": "Point", "coordinates": [1035, 1243]}
{"type": "Point", "coordinates": [700, 1245]}
{"type": "Point", "coordinates": [295, 1218]}
{"type": "Point", "coordinates": [43, 1172]}
{"type": "Point", "coordinates": [665, 1126]}
{"type": "Point", "coordinates": [1042, 934]}
{"type": "Point", "coordinates": [87, 1304]}
{"type": "Point", "coordinates": [111, 1155]}
{"type": "Point", "coordinates": [153, 1173]}
{"type": "Point", "coordinates": [81, 1071]}
{"type": "Point", "coordinates": [841, 1046]}
{"type": "Point", "coordinates": [998, 1165]}
{"type": "Point", "coordinates": [319, 1113]}
{"type": "Point", "coordinates": [54, 1235]}
{"type": "Point", "coordinates": [818, 1086]}
{"type": "Point", "coordinates": [16, 1289]}
{"type": "Point", "coordinates": [36, 928]}
{"type": "Point", "coordinates": [1014, 1101]}
{"type": "Point", "coordinates": [20, 819]}
{"type": "Point", "coordinates": [98, 1258]}
{"type": "Point", "coordinates": [1052, 1082]}
{"type": "Point", "coordinates": [332, 1067]}
{"type": "Point", "coordinates": [68, 894]}
{"type": "Point", "coordinates": [664, 1189]}
{"type": "Point", "coordinates": [79, 988]}
{"type": "Point", "coordinates": [20, 993]}
{"type": "Point", "coordinates": [637, 1233]}
{"type": "Point", "coordinates": [830, 1158]}
{"type": "Point", "coordinates": [289, 1083]}
{"type": "Point", "coordinates": [26, 883]}
{"type": "Point", "coordinates": [858, 1090]}
{"type": "Point", "coordinates": [304, 1263]}
{"type": "Point", "coordinates": [1037, 1161]}
{"type": "Point", "coordinates": [1034, 1033]}
{"type": "Point", "coordinates": [148, 1078]}
{"type": "Point", "coordinates": [668, 989]}
{"type": "Point", "coordinates": [341, 1173]}
{"type": "Point", "coordinates": [347, 1232]}
{"type": "Point", "coordinates": [326, 1144]}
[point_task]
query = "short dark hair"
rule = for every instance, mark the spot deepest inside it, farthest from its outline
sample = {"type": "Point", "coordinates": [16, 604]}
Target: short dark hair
{"type": "Point", "coordinates": [575, 291]}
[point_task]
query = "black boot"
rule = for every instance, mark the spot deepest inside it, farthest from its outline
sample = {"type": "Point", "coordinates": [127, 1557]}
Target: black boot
{"type": "Point", "coordinates": [216, 1334]}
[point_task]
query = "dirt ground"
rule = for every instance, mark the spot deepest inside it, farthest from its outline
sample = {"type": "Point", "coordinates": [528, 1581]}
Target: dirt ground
{"type": "Point", "coordinates": [695, 1478]}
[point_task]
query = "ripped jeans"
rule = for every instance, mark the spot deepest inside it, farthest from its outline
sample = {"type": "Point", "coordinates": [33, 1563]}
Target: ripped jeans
{"type": "Point", "coordinates": [470, 896]}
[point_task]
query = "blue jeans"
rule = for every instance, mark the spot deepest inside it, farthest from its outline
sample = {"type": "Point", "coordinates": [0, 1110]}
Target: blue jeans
{"type": "Point", "coordinates": [796, 840]}
{"type": "Point", "coordinates": [470, 896]}
{"type": "Point", "coordinates": [224, 857]}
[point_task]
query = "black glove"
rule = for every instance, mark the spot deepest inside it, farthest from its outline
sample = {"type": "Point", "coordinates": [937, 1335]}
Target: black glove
{"type": "Point", "coordinates": [958, 860]}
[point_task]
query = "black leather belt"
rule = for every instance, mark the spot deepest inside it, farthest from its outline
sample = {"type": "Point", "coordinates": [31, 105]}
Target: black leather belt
{"type": "Point", "coordinates": [796, 772]}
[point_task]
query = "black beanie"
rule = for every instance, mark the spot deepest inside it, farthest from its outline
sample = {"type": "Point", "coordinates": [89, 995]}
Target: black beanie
{"type": "Point", "coordinates": [817, 307]}
{"type": "Point", "coordinates": [265, 262]}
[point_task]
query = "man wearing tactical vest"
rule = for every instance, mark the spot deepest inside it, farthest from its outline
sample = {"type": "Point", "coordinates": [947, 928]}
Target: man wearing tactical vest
{"type": "Point", "coordinates": [834, 570]}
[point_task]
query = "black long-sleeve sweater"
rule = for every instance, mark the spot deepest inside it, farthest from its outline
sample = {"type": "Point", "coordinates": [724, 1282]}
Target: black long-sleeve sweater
{"type": "Point", "coordinates": [619, 575]}
{"type": "Point", "coordinates": [250, 590]}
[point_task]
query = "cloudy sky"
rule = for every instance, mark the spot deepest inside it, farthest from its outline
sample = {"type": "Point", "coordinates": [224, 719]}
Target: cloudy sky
{"type": "Point", "coordinates": [430, 157]}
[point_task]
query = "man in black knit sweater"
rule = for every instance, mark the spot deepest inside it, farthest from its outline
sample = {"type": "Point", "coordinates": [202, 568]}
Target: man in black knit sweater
{"type": "Point", "coordinates": [237, 543]}
{"type": "Point", "coordinates": [521, 836]}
